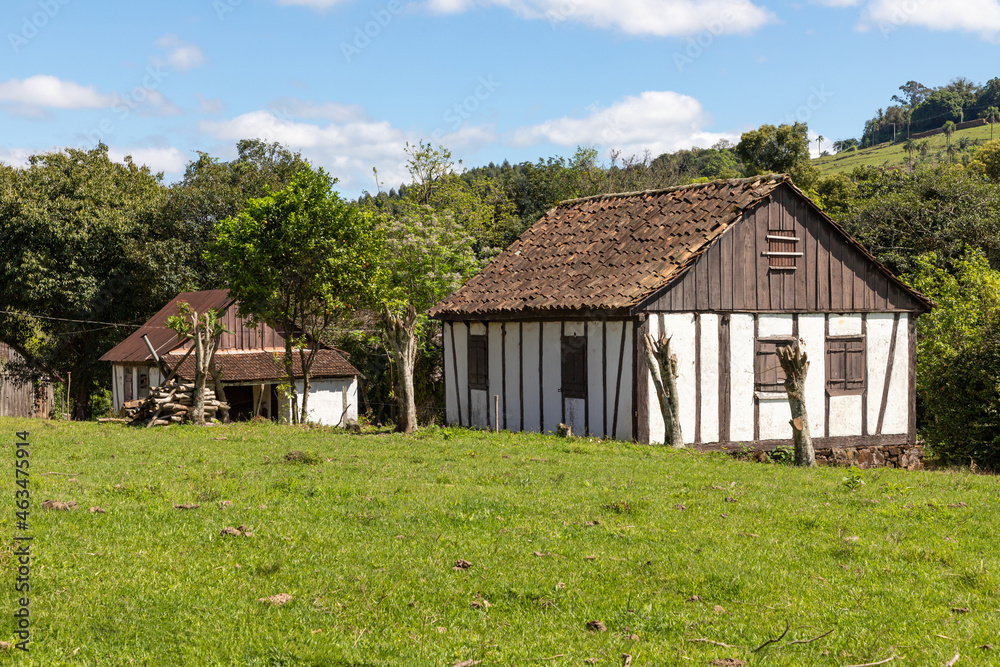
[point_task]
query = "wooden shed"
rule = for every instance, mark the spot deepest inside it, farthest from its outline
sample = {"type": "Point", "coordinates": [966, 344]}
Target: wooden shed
{"type": "Point", "coordinates": [250, 359]}
{"type": "Point", "coordinates": [730, 271]}
{"type": "Point", "coordinates": [21, 395]}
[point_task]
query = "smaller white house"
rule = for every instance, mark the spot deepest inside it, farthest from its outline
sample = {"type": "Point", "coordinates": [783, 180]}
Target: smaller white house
{"type": "Point", "coordinates": [250, 361]}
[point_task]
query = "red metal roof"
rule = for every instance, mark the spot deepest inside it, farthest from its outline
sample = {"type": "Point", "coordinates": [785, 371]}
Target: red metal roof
{"type": "Point", "coordinates": [246, 354]}
{"type": "Point", "coordinates": [260, 366]}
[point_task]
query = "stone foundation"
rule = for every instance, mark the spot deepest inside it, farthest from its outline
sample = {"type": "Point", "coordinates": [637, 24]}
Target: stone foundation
{"type": "Point", "coordinates": [909, 458]}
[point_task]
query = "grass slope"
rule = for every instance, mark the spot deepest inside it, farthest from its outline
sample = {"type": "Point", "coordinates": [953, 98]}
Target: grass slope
{"type": "Point", "coordinates": [558, 532]}
{"type": "Point", "coordinates": [890, 154]}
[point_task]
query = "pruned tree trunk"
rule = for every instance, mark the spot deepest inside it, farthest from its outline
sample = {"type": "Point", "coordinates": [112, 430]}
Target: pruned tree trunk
{"type": "Point", "coordinates": [663, 367]}
{"type": "Point", "coordinates": [794, 362]}
{"type": "Point", "coordinates": [401, 331]}
{"type": "Point", "coordinates": [293, 413]}
{"type": "Point", "coordinates": [201, 364]}
{"type": "Point", "coordinates": [220, 391]}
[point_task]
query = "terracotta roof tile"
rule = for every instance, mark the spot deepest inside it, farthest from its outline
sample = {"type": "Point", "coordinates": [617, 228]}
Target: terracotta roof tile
{"type": "Point", "coordinates": [259, 366]}
{"type": "Point", "coordinates": [609, 251]}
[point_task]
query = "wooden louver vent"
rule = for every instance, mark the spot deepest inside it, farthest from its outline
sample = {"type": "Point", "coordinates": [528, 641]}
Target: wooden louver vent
{"type": "Point", "coordinates": [479, 363]}
{"type": "Point", "coordinates": [782, 249]}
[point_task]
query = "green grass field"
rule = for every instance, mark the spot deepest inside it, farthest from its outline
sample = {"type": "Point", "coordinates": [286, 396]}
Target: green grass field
{"type": "Point", "coordinates": [893, 155]}
{"type": "Point", "coordinates": [685, 558]}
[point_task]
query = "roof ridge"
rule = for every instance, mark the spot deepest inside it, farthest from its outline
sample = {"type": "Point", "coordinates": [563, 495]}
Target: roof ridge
{"type": "Point", "coordinates": [761, 178]}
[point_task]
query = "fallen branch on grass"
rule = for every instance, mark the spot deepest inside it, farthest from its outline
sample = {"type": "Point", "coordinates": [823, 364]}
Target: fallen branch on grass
{"type": "Point", "coordinates": [774, 641]}
{"type": "Point", "coordinates": [809, 641]}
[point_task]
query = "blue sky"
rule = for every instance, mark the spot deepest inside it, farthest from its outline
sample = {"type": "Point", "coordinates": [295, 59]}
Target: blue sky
{"type": "Point", "coordinates": [349, 83]}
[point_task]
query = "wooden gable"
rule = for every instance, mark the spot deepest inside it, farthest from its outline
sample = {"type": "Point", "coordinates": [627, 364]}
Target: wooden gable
{"type": "Point", "coordinates": [807, 265]}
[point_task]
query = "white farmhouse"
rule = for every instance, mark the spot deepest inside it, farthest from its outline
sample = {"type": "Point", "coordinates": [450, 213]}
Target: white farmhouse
{"type": "Point", "coordinates": [551, 330]}
{"type": "Point", "coordinates": [250, 359]}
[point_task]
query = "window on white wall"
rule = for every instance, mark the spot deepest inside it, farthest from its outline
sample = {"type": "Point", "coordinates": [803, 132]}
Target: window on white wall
{"type": "Point", "coordinates": [768, 375]}
{"type": "Point", "coordinates": [479, 363]}
{"type": "Point", "coordinates": [574, 367]}
{"type": "Point", "coordinates": [845, 365]}
{"type": "Point", "coordinates": [143, 383]}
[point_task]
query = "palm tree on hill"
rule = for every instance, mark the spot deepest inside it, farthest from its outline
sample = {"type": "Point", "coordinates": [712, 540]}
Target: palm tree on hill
{"type": "Point", "coordinates": [992, 115]}
{"type": "Point", "coordinates": [949, 129]}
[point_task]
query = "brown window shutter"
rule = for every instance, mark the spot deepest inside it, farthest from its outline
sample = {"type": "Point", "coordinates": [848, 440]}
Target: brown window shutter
{"type": "Point", "coordinates": [845, 365]}
{"type": "Point", "coordinates": [479, 363]}
{"type": "Point", "coordinates": [574, 367]}
{"type": "Point", "coordinates": [768, 374]}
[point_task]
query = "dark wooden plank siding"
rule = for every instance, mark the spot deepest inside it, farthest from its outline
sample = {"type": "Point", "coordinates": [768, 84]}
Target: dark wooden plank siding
{"type": "Point", "coordinates": [831, 275]}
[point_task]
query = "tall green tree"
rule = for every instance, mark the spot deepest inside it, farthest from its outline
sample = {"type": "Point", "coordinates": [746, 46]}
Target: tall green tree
{"type": "Point", "coordinates": [212, 190]}
{"type": "Point", "coordinates": [83, 246]}
{"type": "Point", "coordinates": [782, 149]}
{"type": "Point", "coordinates": [300, 259]}
{"type": "Point", "coordinates": [958, 358]}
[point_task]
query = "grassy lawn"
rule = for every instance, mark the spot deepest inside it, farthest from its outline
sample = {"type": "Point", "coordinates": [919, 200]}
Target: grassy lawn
{"type": "Point", "coordinates": [677, 554]}
{"type": "Point", "coordinates": [890, 154]}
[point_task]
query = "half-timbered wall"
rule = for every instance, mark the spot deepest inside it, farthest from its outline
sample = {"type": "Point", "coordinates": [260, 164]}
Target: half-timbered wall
{"type": "Point", "coordinates": [737, 274]}
{"type": "Point", "coordinates": [716, 375]}
{"type": "Point", "coordinates": [525, 377]}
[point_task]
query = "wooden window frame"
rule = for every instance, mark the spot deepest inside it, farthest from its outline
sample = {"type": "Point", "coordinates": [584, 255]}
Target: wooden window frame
{"type": "Point", "coordinates": [479, 362]}
{"type": "Point", "coordinates": [759, 386]}
{"type": "Point", "coordinates": [574, 367]}
{"type": "Point", "coordinates": [839, 386]}
{"type": "Point", "coordinates": [141, 373]}
{"type": "Point", "coordinates": [782, 250]}
{"type": "Point", "coordinates": [127, 393]}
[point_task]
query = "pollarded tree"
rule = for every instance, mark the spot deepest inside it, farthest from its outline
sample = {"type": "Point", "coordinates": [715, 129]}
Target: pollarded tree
{"type": "Point", "coordinates": [299, 259]}
{"type": "Point", "coordinates": [204, 330]}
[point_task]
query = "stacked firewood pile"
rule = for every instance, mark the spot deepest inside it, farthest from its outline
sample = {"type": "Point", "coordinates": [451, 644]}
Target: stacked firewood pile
{"type": "Point", "coordinates": [173, 403]}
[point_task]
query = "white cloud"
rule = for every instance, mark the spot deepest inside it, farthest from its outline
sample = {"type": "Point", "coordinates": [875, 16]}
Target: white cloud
{"type": "Point", "coordinates": [348, 145]}
{"type": "Point", "coordinates": [837, 3]}
{"type": "Point", "coordinates": [182, 57]}
{"type": "Point", "coordinates": [209, 105]}
{"type": "Point", "coordinates": [168, 160]}
{"type": "Point", "coordinates": [44, 91]}
{"type": "Point", "coordinates": [660, 121]}
{"type": "Point", "coordinates": [15, 157]}
{"type": "Point", "coordinates": [980, 17]}
{"type": "Point", "coordinates": [635, 17]}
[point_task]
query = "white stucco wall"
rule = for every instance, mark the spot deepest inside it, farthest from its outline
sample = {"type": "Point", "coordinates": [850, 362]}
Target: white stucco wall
{"type": "Point", "coordinates": [451, 375]}
{"type": "Point", "coordinates": [532, 381]}
{"type": "Point", "coordinates": [552, 375]}
{"type": "Point", "coordinates": [680, 329]}
{"type": "Point", "coordinates": [709, 378]}
{"type": "Point", "coordinates": [326, 400]}
{"type": "Point", "coordinates": [513, 398]}
{"type": "Point", "coordinates": [812, 333]}
{"type": "Point", "coordinates": [897, 408]}
{"type": "Point", "coordinates": [741, 376]}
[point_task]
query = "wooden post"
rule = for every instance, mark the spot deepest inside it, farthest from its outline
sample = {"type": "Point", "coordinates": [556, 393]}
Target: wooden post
{"type": "Point", "coordinates": [794, 362]}
{"type": "Point", "coordinates": [663, 366]}
{"type": "Point", "coordinates": [496, 412]}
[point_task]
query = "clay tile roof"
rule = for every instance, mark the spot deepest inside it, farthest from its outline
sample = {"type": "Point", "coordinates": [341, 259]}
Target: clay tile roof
{"type": "Point", "coordinates": [608, 251]}
{"type": "Point", "coordinates": [261, 366]}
